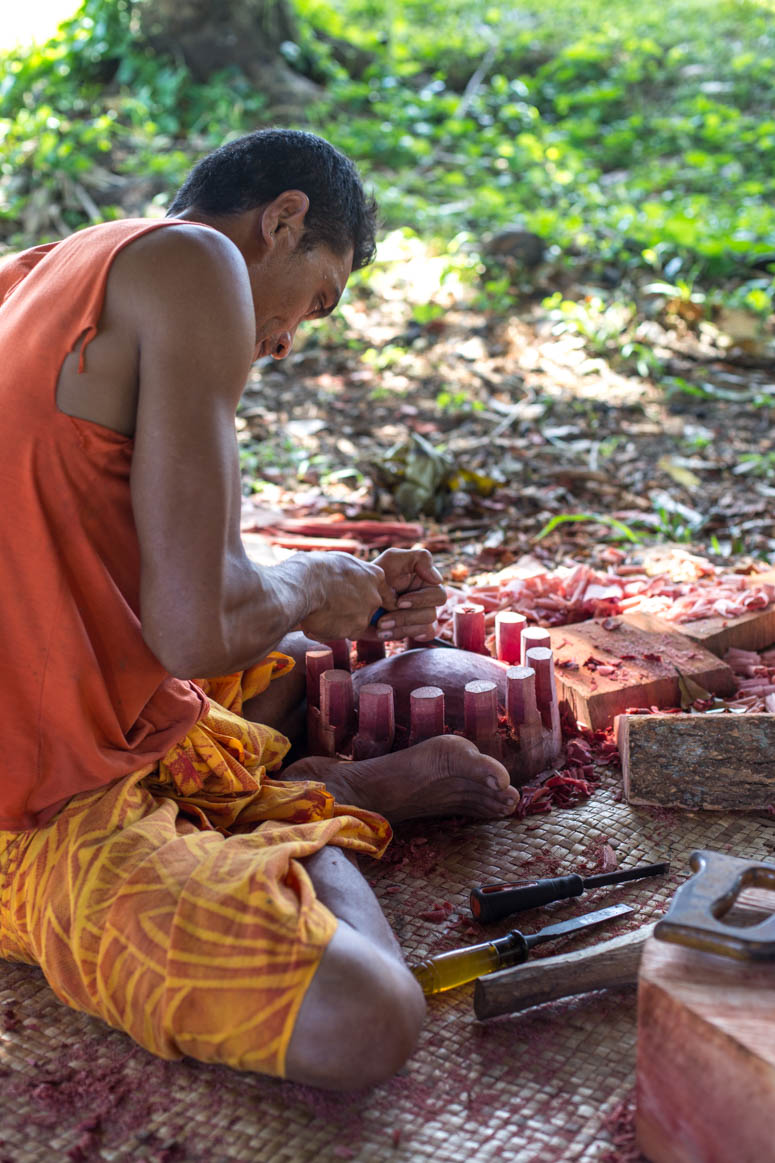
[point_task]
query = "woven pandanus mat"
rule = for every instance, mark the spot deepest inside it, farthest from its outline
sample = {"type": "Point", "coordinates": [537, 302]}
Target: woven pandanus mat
{"type": "Point", "coordinates": [540, 1086]}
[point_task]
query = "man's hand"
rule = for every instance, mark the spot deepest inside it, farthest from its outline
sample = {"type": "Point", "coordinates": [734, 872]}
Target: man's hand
{"type": "Point", "coordinates": [346, 593]}
{"type": "Point", "coordinates": [417, 583]}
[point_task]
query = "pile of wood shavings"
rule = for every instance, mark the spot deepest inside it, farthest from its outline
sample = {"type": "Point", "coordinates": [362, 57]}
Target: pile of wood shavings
{"type": "Point", "coordinates": [620, 1125]}
{"type": "Point", "coordinates": [576, 593]}
{"type": "Point", "coordinates": [586, 751]}
{"type": "Point", "coordinates": [755, 679]}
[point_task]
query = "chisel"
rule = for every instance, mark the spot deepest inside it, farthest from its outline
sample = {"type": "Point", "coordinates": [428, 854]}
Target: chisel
{"type": "Point", "coordinates": [493, 902]}
{"type": "Point", "coordinates": [446, 970]}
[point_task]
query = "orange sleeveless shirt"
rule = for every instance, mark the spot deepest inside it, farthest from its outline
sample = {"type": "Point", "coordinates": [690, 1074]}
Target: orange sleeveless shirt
{"type": "Point", "coordinates": [82, 698]}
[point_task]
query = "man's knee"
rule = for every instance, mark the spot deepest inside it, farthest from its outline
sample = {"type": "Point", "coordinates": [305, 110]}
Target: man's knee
{"type": "Point", "coordinates": [360, 1019]}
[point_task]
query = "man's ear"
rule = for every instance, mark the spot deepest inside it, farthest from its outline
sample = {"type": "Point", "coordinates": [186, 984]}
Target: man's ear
{"type": "Point", "coordinates": [282, 220]}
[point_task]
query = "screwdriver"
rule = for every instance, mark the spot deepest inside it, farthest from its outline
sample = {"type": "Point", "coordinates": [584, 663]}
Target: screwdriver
{"type": "Point", "coordinates": [446, 970]}
{"type": "Point", "coordinates": [492, 902]}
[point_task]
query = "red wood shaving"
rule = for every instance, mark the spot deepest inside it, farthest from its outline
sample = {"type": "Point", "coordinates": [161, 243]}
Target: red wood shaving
{"type": "Point", "coordinates": [606, 859]}
{"type": "Point", "coordinates": [620, 1125]}
{"type": "Point", "coordinates": [439, 912]}
{"type": "Point", "coordinates": [593, 663]}
{"type": "Point", "coordinates": [375, 533]}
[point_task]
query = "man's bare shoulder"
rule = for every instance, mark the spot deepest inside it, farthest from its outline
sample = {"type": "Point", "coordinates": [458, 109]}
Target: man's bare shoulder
{"type": "Point", "coordinates": [178, 252]}
{"type": "Point", "coordinates": [184, 284]}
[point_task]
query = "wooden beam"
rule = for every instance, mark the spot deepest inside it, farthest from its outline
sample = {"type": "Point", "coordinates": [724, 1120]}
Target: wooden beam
{"type": "Point", "coordinates": [720, 761]}
{"type": "Point", "coordinates": [706, 1057]}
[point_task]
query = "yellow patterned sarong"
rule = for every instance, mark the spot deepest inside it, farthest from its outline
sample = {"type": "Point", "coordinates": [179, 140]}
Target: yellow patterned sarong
{"type": "Point", "coordinates": [174, 903]}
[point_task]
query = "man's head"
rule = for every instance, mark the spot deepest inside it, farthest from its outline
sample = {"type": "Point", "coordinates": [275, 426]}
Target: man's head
{"type": "Point", "coordinates": [254, 170]}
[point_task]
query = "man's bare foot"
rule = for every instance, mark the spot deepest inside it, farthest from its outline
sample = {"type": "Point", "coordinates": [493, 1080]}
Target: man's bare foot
{"type": "Point", "coordinates": [444, 776]}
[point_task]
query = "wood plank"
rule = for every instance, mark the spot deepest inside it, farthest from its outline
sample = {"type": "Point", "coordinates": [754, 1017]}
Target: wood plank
{"type": "Point", "coordinates": [706, 1057]}
{"type": "Point", "coordinates": [718, 762]}
{"type": "Point", "coordinates": [639, 668]}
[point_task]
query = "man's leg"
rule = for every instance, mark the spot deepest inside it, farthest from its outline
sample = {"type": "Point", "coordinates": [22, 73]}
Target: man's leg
{"type": "Point", "coordinates": [283, 705]}
{"type": "Point", "coordinates": [363, 1010]}
{"type": "Point", "coordinates": [215, 946]}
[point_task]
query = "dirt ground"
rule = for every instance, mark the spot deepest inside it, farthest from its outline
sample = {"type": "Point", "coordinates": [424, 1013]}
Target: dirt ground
{"type": "Point", "coordinates": [500, 423]}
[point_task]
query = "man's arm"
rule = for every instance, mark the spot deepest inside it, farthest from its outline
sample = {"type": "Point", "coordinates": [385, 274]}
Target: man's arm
{"type": "Point", "coordinates": [205, 608]}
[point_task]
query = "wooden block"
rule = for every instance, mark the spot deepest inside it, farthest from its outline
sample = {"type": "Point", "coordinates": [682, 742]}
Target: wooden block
{"type": "Point", "coordinates": [336, 705]}
{"type": "Point", "coordinates": [449, 670]}
{"type": "Point", "coordinates": [754, 631]}
{"type": "Point", "coordinates": [376, 721]}
{"type": "Point", "coordinates": [340, 648]}
{"type": "Point", "coordinates": [532, 637]}
{"type": "Point", "coordinates": [316, 663]}
{"type": "Point", "coordinates": [607, 965]}
{"type": "Point", "coordinates": [706, 1057]}
{"type": "Point", "coordinates": [541, 661]}
{"type": "Point", "coordinates": [524, 718]}
{"type": "Point", "coordinates": [720, 761]}
{"type": "Point", "coordinates": [638, 669]}
{"type": "Point", "coordinates": [480, 709]}
{"type": "Point", "coordinates": [426, 713]}
{"type": "Point", "coordinates": [368, 651]}
{"type": "Point", "coordinates": [508, 635]}
{"type": "Point", "coordinates": [468, 627]}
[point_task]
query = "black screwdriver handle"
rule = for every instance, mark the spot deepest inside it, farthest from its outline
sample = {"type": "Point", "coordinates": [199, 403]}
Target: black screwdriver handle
{"type": "Point", "coordinates": [491, 903]}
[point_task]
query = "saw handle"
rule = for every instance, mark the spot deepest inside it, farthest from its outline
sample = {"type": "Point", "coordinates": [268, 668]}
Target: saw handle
{"type": "Point", "coordinates": [696, 915]}
{"type": "Point", "coordinates": [493, 902]}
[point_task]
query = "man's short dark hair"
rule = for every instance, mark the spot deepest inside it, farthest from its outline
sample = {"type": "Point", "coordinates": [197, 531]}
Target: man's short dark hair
{"type": "Point", "coordinates": [255, 169]}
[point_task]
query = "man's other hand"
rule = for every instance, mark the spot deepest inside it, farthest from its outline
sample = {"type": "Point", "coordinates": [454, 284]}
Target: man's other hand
{"type": "Point", "coordinates": [417, 584]}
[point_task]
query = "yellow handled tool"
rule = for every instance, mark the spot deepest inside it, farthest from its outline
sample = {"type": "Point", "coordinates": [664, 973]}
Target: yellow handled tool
{"type": "Point", "coordinates": [446, 970]}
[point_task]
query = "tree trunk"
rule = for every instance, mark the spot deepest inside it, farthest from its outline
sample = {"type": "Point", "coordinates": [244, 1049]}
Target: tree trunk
{"type": "Point", "coordinates": [217, 34]}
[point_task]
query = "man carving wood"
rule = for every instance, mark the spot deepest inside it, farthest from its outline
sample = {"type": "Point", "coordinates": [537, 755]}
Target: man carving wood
{"type": "Point", "coordinates": [163, 880]}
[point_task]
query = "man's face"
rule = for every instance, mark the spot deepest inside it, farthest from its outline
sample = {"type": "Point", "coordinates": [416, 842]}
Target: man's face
{"type": "Point", "coordinates": [291, 287]}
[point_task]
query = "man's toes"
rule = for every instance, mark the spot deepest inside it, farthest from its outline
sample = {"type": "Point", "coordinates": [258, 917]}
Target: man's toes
{"type": "Point", "coordinates": [511, 798]}
{"type": "Point", "coordinates": [497, 776]}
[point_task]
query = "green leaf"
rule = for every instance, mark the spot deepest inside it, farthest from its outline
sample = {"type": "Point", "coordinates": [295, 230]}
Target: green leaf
{"type": "Point", "coordinates": [597, 518]}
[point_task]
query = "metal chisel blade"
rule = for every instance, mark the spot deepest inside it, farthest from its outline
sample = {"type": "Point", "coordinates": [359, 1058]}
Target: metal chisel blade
{"type": "Point", "coordinates": [622, 875]}
{"type": "Point", "coordinates": [577, 924]}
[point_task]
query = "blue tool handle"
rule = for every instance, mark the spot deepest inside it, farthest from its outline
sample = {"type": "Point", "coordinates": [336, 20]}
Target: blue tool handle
{"type": "Point", "coordinates": [375, 617]}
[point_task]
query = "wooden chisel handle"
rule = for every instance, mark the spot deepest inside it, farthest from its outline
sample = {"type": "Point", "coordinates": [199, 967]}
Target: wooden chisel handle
{"type": "Point", "coordinates": [613, 963]}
